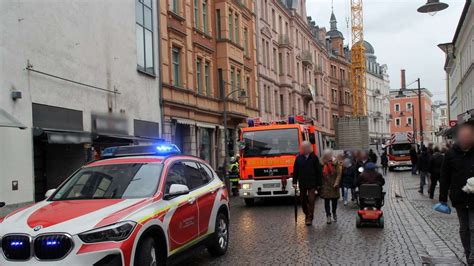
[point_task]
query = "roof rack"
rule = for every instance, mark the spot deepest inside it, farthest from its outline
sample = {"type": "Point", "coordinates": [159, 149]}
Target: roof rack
{"type": "Point", "coordinates": [297, 119]}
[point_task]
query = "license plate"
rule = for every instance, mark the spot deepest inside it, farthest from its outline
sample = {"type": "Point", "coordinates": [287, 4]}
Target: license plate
{"type": "Point", "coordinates": [272, 185]}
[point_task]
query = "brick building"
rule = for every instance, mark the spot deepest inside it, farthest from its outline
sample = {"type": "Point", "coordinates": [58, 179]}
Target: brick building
{"type": "Point", "coordinates": [200, 41]}
{"type": "Point", "coordinates": [302, 69]}
{"type": "Point", "coordinates": [405, 112]}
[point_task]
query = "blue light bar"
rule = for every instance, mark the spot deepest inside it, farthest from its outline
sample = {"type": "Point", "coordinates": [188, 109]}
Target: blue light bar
{"type": "Point", "coordinates": [162, 149]}
{"type": "Point", "coordinates": [52, 243]}
{"type": "Point", "coordinates": [16, 243]}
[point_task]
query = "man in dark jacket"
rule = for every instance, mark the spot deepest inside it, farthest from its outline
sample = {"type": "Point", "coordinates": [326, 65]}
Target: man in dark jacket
{"type": "Point", "coordinates": [307, 173]}
{"type": "Point", "coordinates": [373, 156]}
{"type": "Point", "coordinates": [424, 167]}
{"type": "Point", "coordinates": [414, 160]}
{"type": "Point", "coordinates": [458, 167]}
{"type": "Point", "coordinates": [436, 162]}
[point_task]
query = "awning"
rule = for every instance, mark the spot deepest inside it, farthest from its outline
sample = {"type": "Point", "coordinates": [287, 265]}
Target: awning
{"type": "Point", "coordinates": [53, 136]}
{"type": "Point", "coordinates": [7, 120]}
{"type": "Point", "coordinates": [118, 140]}
{"type": "Point", "coordinates": [184, 121]}
{"type": "Point", "coordinates": [206, 125]}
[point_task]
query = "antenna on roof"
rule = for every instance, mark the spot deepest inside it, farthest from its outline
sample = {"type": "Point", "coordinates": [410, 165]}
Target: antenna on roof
{"type": "Point", "coordinates": [347, 25]}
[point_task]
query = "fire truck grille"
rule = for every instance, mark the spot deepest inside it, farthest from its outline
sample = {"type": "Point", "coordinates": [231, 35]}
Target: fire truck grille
{"type": "Point", "coordinates": [267, 172]}
{"type": "Point", "coordinates": [16, 247]}
{"type": "Point", "coordinates": [52, 247]}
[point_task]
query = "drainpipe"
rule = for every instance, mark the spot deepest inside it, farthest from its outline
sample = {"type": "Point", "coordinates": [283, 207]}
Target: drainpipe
{"type": "Point", "coordinates": [160, 80]}
{"type": "Point", "coordinates": [257, 45]}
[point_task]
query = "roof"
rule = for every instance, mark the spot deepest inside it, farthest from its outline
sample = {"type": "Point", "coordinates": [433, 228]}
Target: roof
{"type": "Point", "coordinates": [369, 49]}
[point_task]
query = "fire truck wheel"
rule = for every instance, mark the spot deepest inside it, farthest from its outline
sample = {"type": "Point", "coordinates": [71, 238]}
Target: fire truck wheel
{"type": "Point", "coordinates": [358, 222]}
{"type": "Point", "coordinates": [148, 253]}
{"type": "Point", "coordinates": [249, 202]}
{"type": "Point", "coordinates": [220, 240]}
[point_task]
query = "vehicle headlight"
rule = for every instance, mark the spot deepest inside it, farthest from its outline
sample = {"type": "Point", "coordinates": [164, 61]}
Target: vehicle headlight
{"type": "Point", "coordinates": [115, 232]}
{"type": "Point", "coordinates": [246, 186]}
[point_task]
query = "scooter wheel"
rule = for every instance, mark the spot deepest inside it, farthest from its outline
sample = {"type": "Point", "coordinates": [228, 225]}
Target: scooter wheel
{"type": "Point", "coordinates": [381, 222]}
{"type": "Point", "coordinates": [358, 222]}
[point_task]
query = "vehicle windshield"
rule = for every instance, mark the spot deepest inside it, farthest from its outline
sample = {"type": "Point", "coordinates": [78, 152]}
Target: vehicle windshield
{"type": "Point", "coordinates": [117, 181]}
{"type": "Point", "coordinates": [271, 142]}
{"type": "Point", "coordinates": [400, 149]}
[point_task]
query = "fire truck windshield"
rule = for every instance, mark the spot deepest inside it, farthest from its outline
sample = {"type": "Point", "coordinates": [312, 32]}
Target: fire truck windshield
{"type": "Point", "coordinates": [272, 142]}
{"type": "Point", "coordinates": [400, 149]}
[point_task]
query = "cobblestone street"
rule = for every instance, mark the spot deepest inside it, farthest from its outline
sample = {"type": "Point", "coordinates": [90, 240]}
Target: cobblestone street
{"type": "Point", "coordinates": [413, 233]}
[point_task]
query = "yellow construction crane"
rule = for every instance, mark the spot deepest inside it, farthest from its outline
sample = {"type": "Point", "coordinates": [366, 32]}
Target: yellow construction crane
{"type": "Point", "coordinates": [359, 98]}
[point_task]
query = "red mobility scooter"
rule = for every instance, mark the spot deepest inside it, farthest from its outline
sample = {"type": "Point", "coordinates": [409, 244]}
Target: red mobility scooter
{"type": "Point", "coordinates": [370, 201]}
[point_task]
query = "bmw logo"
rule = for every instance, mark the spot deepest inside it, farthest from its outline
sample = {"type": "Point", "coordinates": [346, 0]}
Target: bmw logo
{"type": "Point", "coordinates": [37, 228]}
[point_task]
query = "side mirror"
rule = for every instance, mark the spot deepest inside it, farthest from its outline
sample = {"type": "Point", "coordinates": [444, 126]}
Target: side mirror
{"type": "Point", "coordinates": [361, 169]}
{"type": "Point", "coordinates": [312, 138]}
{"type": "Point", "coordinates": [49, 192]}
{"type": "Point", "coordinates": [2, 204]}
{"type": "Point", "coordinates": [241, 145]}
{"type": "Point", "coordinates": [176, 190]}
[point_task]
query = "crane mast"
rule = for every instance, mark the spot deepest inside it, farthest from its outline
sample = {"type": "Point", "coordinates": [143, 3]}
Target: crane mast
{"type": "Point", "coordinates": [359, 98]}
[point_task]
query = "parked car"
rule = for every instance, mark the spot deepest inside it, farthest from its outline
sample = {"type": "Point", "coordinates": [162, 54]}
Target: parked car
{"type": "Point", "coordinates": [140, 205]}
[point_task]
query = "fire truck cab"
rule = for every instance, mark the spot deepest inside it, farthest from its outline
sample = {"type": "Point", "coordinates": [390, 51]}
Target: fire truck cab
{"type": "Point", "coordinates": [268, 152]}
{"type": "Point", "coordinates": [399, 150]}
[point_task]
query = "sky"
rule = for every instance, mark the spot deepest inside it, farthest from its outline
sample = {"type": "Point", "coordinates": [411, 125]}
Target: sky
{"type": "Point", "coordinates": [402, 37]}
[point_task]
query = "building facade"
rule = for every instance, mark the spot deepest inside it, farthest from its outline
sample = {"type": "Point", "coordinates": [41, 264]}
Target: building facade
{"type": "Point", "coordinates": [204, 42]}
{"type": "Point", "coordinates": [74, 88]}
{"type": "Point", "coordinates": [440, 120]}
{"type": "Point", "coordinates": [404, 112]}
{"type": "Point", "coordinates": [459, 67]}
{"type": "Point", "coordinates": [302, 70]}
{"type": "Point", "coordinates": [378, 97]}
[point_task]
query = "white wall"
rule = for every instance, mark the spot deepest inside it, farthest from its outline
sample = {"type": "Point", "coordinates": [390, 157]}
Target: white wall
{"type": "Point", "coordinates": [89, 41]}
{"type": "Point", "coordinates": [461, 75]}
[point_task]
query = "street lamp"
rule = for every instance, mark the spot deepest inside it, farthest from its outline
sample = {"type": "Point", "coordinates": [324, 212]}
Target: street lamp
{"type": "Point", "coordinates": [432, 7]}
{"type": "Point", "coordinates": [418, 92]}
{"type": "Point", "coordinates": [242, 95]}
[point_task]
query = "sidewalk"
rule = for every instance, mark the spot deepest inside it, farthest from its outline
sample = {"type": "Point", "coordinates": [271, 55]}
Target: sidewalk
{"type": "Point", "coordinates": [440, 228]}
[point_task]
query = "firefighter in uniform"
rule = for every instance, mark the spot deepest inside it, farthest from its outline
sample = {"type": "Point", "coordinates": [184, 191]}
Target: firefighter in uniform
{"type": "Point", "coordinates": [234, 176]}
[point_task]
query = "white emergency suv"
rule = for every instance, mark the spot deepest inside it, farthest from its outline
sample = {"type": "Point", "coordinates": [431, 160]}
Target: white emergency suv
{"type": "Point", "coordinates": [140, 206]}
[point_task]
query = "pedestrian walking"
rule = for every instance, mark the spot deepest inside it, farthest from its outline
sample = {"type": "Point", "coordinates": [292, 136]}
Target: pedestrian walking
{"type": "Point", "coordinates": [307, 174]}
{"type": "Point", "coordinates": [414, 160]}
{"type": "Point", "coordinates": [373, 156]}
{"type": "Point", "coordinates": [330, 186]}
{"type": "Point", "coordinates": [436, 162]}
{"type": "Point", "coordinates": [424, 167]}
{"type": "Point", "coordinates": [384, 162]}
{"type": "Point", "coordinates": [349, 175]}
{"type": "Point", "coordinates": [458, 167]}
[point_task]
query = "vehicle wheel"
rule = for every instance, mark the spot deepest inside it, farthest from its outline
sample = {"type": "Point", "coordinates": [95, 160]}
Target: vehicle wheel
{"type": "Point", "coordinates": [390, 169]}
{"type": "Point", "coordinates": [358, 222]}
{"type": "Point", "coordinates": [381, 222]}
{"type": "Point", "coordinates": [249, 202]}
{"type": "Point", "coordinates": [220, 239]}
{"type": "Point", "coordinates": [149, 253]}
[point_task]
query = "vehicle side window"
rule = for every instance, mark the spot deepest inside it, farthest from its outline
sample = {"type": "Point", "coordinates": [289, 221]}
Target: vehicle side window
{"type": "Point", "coordinates": [176, 176]}
{"type": "Point", "coordinates": [207, 174]}
{"type": "Point", "coordinates": [193, 175]}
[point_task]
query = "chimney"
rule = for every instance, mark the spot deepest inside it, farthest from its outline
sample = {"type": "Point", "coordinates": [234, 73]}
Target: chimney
{"type": "Point", "coordinates": [403, 79]}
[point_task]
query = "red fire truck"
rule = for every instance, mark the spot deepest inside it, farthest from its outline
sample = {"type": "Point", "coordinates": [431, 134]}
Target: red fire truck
{"type": "Point", "coordinates": [268, 152]}
{"type": "Point", "coordinates": [399, 150]}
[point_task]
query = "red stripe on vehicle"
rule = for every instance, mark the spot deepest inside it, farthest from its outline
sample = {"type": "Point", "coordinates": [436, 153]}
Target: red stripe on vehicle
{"type": "Point", "coordinates": [127, 160]}
{"type": "Point", "coordinates": [61, 211]}
{"type": "Point", "coordinates": [117, 216]}
{"type": "Point", "coordinates": [125, 246]}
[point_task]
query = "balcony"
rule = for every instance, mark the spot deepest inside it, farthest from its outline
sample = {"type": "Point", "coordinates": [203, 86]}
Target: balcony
{"type": "Point", "coordinates": [306, 57]}
{"type": "Point", "coordinates": [343, 83]}
{"type": "Point", "coordinates": [283, 40]}
{"type": "Point", "coordinates": [308, 92]}
{"type": "Point", "coordinates": [318, 69]}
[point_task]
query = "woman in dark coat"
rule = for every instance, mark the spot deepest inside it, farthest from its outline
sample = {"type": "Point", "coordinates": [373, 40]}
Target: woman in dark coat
{"type": "Point", "coordinates": [331, 183]}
